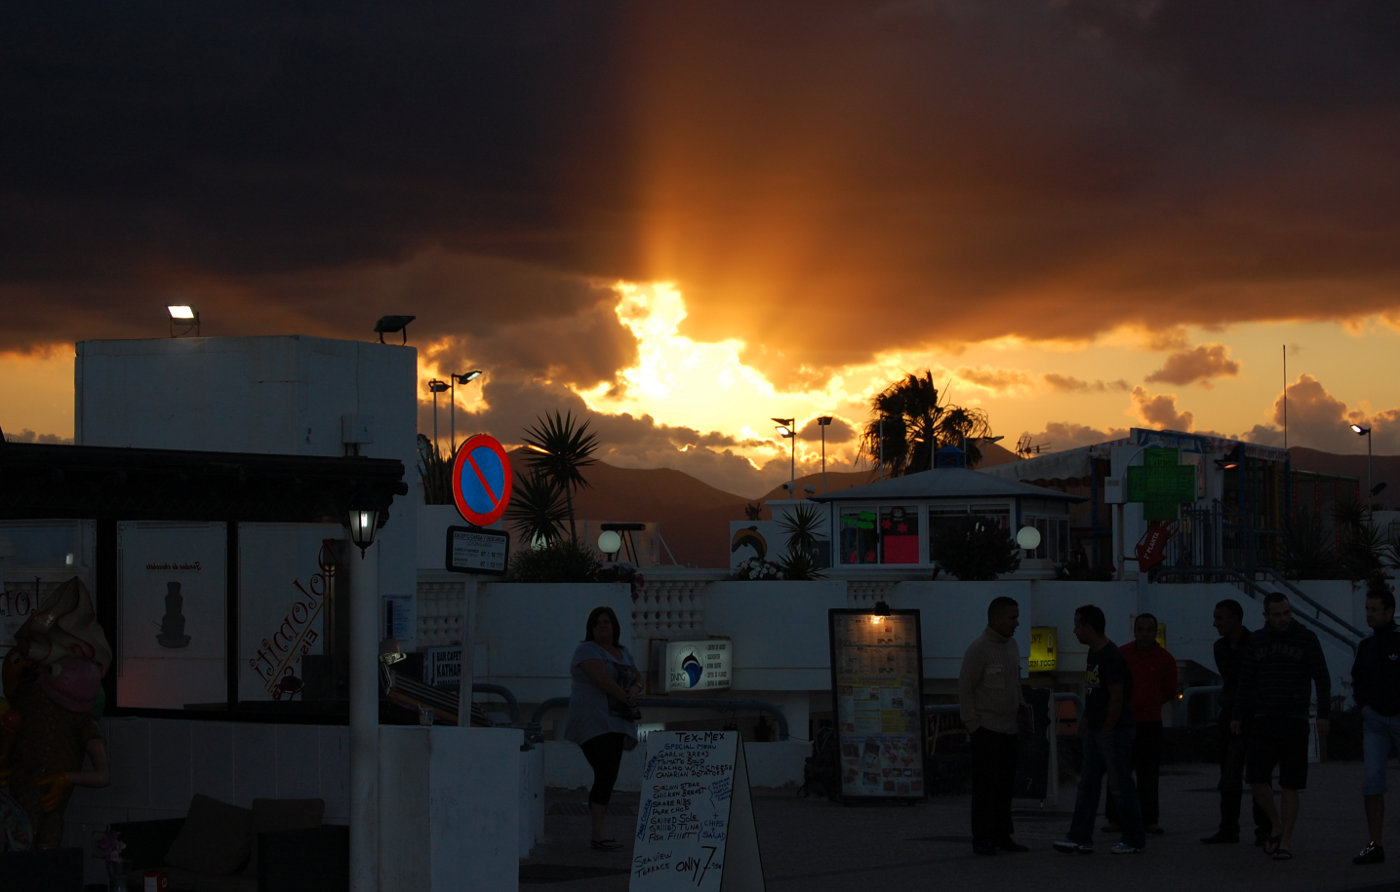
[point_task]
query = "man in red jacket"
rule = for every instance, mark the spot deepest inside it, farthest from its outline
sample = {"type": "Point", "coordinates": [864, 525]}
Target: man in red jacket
{"type": "Point", "coordinates": [1154, 685]}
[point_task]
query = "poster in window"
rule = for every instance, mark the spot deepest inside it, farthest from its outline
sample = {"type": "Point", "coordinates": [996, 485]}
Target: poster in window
{"type": "Point", "coordinates": [877, 686]}
{"type": "Point", "coordinates": [173, 595]}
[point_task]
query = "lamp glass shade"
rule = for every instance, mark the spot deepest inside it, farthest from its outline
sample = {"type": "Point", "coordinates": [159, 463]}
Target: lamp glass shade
{"type": "Point", "coordinates": [1028, 538]}
{"type": "Point", "coordinates": [364, 523]}
{"type": "Point", "coordinates": [609, 542]}
{"type": "Point", "coordinates": [180, 311]}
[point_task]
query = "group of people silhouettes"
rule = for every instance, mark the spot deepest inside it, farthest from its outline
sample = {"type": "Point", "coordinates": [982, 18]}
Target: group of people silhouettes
{"type": "Point", "coordinates": [1272, 680]}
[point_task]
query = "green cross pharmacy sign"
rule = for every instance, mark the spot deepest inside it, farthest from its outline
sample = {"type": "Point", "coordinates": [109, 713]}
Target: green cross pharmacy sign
{"type": "Point", "coordinates": [1161, 484]}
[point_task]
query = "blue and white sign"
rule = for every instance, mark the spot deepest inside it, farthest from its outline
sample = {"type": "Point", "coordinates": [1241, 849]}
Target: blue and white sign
{"type": "Point", "coordinates": [704, 665]}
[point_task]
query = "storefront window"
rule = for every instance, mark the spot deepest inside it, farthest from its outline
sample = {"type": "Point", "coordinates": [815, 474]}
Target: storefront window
{"type": "Point", "coordinates": [860, 541]}
{"type": "Point", "coordinates": [899, 534]}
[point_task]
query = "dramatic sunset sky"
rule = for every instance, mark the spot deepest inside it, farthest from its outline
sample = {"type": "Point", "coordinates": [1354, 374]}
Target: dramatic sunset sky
{"type": "Point", "coordinates": [682, 219]}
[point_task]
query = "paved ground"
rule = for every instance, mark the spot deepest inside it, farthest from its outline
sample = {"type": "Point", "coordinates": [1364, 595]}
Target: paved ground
{"type": "Point", "coordinates": [812, 845]}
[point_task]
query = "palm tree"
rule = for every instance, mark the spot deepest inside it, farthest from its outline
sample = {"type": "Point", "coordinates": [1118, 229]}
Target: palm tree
{"type": "Point", "coordinates": [559, 449]}
{"type": "Point", "coordinates": [435, 473]}
{"type": "Point", "coordinates": [802, 524]}
{"type": "Point", "coordinates": [537, 509]}
{"type": "Point", "coordinates": [911, 425]}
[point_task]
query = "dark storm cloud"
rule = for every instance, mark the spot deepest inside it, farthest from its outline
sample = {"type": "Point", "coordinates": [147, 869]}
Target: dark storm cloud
{"type": "Point", "coordinates": [1034, 168]}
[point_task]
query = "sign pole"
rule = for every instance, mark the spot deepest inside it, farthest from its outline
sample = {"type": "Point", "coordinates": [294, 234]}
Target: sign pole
{"type": "Point", "coordinates": [464, 692]}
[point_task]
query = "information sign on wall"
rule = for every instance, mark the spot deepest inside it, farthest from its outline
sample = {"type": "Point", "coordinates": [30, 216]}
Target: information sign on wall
{"type": "Point", "coordinates": [474, 550]}
{"type": "Point", "coordinates": [694, 665]}
{"type": "Point", "coordinates": [1045, 649]}
{"type": "Point", "coordinates": [877, 686]}
{"type": "Point", "coordinates": [442, 666]}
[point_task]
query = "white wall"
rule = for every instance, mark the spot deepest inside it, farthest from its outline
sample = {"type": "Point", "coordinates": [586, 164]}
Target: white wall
{"type": "Point", "coordinates": [471, 824]}
{"type": "Point", "coordinates": [282, 395]}
{"type": "Point", "coordinates": [780, 634]}
{"type": "Point", "coordinates": [525, 634]}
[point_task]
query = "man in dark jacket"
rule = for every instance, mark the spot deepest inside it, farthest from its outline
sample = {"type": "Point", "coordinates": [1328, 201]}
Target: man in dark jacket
{"type": "Point", "coordinates": [1229, 648]}
{"type": "Point", "coordinates": [1375, 678]}
{"type": "Point", "coordinates": [1281, 660]}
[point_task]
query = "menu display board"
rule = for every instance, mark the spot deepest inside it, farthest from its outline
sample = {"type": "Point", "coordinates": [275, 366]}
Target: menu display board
{"type": "Point", "coordinates": [877, 689]}
{"type": "Point", "coordinates": [695, 826]}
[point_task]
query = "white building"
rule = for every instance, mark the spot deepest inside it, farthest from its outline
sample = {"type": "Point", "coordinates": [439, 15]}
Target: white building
{"type": "Point", "coordinates": [313, 398]}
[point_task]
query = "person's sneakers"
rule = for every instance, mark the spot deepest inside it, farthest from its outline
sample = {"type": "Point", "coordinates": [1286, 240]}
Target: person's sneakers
{"type": "Point", "coordinates": [1155, 829]}
{"type": "Point", "coordinates": [1070, 847]}
{"type": "Point", "coordinates": [1122, 848]}
{"type": "Point", "coordinates": [1374, 853]}
{"type": "Point", "coordinates": [982, 847]}
{"type": "Point", "coordinates": [1220, 837]}
{"type": "Point", "coordinates": [1010, 845]}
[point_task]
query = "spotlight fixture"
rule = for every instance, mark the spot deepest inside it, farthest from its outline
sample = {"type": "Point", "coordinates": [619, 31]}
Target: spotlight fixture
{"type": "Point", "coordinates": [391, 324]}
{"type": "Point", "coordinates": [185, 315]}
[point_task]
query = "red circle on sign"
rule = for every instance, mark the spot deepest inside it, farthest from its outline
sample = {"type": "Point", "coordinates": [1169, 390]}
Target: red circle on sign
{"type": "Point", "coordinates": [481, 480]}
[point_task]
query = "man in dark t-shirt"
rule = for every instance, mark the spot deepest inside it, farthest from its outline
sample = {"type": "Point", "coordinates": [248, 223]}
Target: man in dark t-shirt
{"type": "Point", "coordinates": [1106, 730]}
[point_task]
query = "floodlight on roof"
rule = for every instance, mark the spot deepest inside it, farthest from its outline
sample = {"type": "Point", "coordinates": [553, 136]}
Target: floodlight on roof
{"type": "Point", "coordinates": [186, 315]}
{"type": "Point", "coordinates": [391, 324]}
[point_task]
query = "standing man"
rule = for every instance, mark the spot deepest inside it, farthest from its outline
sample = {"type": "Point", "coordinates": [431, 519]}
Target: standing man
{"type": "Point", "coordinates": [1282, 658]}
{"type": "Point", "coordinates": [1375, 678]}
{"type": "Point", "coordinates": [1106, 730]}
{"type": "Point", "coordinates": [1153, 670]}
{"type": "Point", "coordinates": [1229, 649]}
{"type": "Point", "coordinates": [992, 708]}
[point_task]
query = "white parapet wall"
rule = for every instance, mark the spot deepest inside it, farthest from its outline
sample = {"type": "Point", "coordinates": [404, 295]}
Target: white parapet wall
{"type": "Point", "coordinates": [470, 780]}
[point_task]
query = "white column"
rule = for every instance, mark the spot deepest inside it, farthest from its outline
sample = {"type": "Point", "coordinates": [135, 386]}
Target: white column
{"type": "Point", "coordinates": [364, 722]}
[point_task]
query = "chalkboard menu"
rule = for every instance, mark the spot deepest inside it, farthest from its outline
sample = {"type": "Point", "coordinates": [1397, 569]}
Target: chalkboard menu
{"type": "Point", "coordinates": [877, 688]}
{"type": "Point", "coordinates": [695, 825]}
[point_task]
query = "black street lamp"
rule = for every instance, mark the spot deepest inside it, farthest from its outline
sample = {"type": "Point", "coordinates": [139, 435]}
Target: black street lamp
{"type": "Point", "coordinates": [436, 386]}
{"type": "Point", "coordinates": [787, 428]}
{"type": "Point", "coordinates": [822, 422]}
{"type": "Point", "coordinates": [463, 378]}
{"type": "Point", "coordinates": [1366, 432]}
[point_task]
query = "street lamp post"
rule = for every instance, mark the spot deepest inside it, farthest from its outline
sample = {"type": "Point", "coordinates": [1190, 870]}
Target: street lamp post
{"type": "Point", "coordinates": [822, 422]}
{"type": "Point", "coordinates": [464, 378]}
{"type": "Point", "coordinates": [436, 386]}
{"type": "Point", "coordinates": [787, 428]}
{"type": "Point", "coordinates": [1366, 432]}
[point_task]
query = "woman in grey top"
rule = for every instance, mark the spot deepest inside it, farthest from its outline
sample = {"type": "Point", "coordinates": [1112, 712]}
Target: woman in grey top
{"type": "Point", "coordinates": [603, 711]}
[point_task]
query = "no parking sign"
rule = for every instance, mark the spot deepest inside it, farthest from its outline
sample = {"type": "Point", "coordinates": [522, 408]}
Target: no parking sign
{"type": "Point", "coordinates": [481, 480]}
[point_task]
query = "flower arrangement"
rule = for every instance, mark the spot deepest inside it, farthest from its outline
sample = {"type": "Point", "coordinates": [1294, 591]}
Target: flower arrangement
{"type": "Point", "coordinates": [110, 846]}
{"type": "Point", "coordinates": [623, 573]}
{"type": "Point", "coordinates": [757, 568]}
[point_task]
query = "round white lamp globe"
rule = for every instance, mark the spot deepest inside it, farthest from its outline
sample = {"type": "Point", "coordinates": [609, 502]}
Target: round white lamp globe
{"type": "Point", "coordinates": [1028, 538]}
{"type": "Point", "coordinates": [609, 542]}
